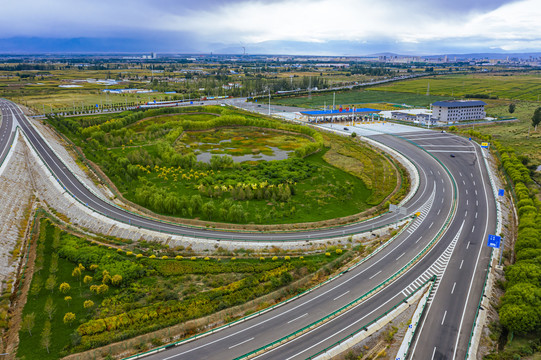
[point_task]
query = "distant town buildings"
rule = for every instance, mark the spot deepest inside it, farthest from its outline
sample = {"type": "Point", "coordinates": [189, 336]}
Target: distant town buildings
{"type": "Point", "coordinates": [450, 112]}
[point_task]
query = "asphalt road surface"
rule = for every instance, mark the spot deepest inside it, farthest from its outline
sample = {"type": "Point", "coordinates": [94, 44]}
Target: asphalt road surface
{"type": "Point", "coordinates": [460, 258]}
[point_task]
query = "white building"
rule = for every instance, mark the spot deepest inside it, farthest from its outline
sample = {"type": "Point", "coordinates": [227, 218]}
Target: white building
{"type": "Point", "coordinates": [460, 110]}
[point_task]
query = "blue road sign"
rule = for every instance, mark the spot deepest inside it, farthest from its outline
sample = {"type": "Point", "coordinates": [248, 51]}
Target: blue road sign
{"type": "Point", "coordinates": [191, 102]}
{"type": "Point", "coordinates": [501, 192]}
{"type": "Point", "coordinates": [494, 241]}
{"type": "Point", "coordinates": [97, 105]}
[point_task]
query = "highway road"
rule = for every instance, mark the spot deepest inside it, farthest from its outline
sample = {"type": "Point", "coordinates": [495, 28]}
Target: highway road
{"type": "Point", "coordinates": [7, 130]}
{"type": "Point", "coordinates": [85, 196]}
{"type": "Point", "coordinates": [460, 258]}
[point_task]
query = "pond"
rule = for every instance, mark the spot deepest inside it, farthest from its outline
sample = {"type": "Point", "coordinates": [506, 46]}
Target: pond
{"type": "Point", "coordinates": [277, 155]}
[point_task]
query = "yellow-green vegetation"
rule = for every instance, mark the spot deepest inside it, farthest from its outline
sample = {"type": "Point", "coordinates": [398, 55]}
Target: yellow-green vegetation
{"type": "Point", "coordinates": [377, 173]}
{"type": "Point", "coordinates": [501, 85]}
{"type": "Point", "coordinates": [98, 295]}
{"type": "Point", "coordinates": [184, 165]}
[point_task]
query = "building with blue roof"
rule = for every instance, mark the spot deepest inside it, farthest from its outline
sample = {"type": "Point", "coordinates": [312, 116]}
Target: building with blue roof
{"type": "Point", "coordinates": [453, 111]}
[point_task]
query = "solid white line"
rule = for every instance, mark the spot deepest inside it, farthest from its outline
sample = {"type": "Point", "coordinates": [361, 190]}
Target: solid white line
{"type": "Point", "coordinates": [373, 276]}
{"type": "Point", "coordinates": [460, 267]}
{"type": "Point", "coordinates": [453, 290]}
{"type": "Point", "coordinates": [245, 341]}
{"type": "Point", "coordinates": [339, 296]}
{"type": "Point", "coordinates": [444, 314]}
{"type": "Point", "coordinates": [297, 318]}
{"type": "Point", "coordinates": [401, 256]}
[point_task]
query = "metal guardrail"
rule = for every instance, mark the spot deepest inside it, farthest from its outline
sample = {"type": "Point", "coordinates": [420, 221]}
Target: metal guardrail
{"type": "Point", "coordinates": [365, 327]}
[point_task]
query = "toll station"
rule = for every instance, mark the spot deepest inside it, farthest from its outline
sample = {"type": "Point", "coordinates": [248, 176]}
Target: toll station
{"type": "Point", "coordinates": [341, 115]}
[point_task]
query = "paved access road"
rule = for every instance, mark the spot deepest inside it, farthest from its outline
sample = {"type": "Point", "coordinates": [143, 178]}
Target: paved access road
{"type": "Point", "coordinates": [460, 256]}
{"type": "Point", "coordinates": [7, 130]}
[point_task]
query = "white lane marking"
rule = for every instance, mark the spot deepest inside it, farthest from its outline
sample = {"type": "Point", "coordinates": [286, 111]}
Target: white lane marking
{"type": "Point", "coordinates": [439, 211]}
{"type": "Point", "coordinates": [467, 202]}
{"type": "Point", "coordinates": [245, 341]}
{"type": "Point", "coordinates": [466, 192]}
{"type": "Point", "coordinates": [373, 276]}
{"type": "Point", "coordinates": [433, 353]}
{"type": "Point", "coordinates": [431, 172]}
{"type": "Point", "coordinates": [471, 174]}
{"type": "Point", "coordinates": [460, 173]}
{"type": "Point", "coordinates": [476, 214]}
{"type": "Point", "coordinates": [444, 190]}
{"type": "Point", "coordinates": [339, 296]}
{"type": "Point", "coordinates": [467, 246]}
{"type": "Point", "coordinates": [477, 202]}
{"type": "Point", "coordinates": [473, 228]}
{"type": "Point", "coordinates": [466, 213]}
{"type": "Point", "coordinates": [439, 172]}
{"type": "Point", "coordinates": [461, 263]}
{"type": "Point", "coordinates": [453, 290]}
{"type": "Point", "coordinates": [475, 192]}
{"type": "Point", "coordinates": [473, 182]}
{"type": "Point", "coordinates": [419, 239]}
{"type": "Point", "coordinates": [442, 181]}
{"type": "Point", "coordinates": [402, 254]}
{"type": "Point", "coordinates": [326, 339]}
{"type": "Point", "coordinates": [297, 318]}
{"type": "Point", "coordinates": [432, 223]}
{"type": "Point", "coordinates": [442, 200]}
{"type": "Point", "coordinates": [485, 233]}
{"type": "Point", "coordinates": [444, 314]}
{"type": "Point", "coordinates": [463, 182]}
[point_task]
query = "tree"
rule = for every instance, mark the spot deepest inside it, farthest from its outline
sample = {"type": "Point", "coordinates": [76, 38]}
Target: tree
{"type": "Point", "coordinates": [67, 299]}
{"type": "Point", "coordinates": [88, 304]}
{"type": "Point", "coordinates": [87, 279]}
{"type": "Point", "coordinates": [28, 323]}
{"type": "Point", "coordinates": [102, 289]}
{"type": "Point", "coordinates": [116, 280]}
{"type": "Point", "coordinates": [512, 107]}
{"type": "Point", "coordinates": [536, 118]}
{"type": "Point", "coordinates": [50, 283]}
{"type": "Point", "coordinates": [69, 318]}
{"type": "Point", "coordinates": [76, 273]}
{"type": "Point", "coordinates": [49, 307]}
{"type": "Point", "coordinates": [36, 286]}
{"type": "Point", "coordinates": [46, 336]}
{"type": "Point", "coordinates": [64, 288]}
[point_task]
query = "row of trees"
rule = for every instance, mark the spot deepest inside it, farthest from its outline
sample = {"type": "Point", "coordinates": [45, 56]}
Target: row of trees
{"type": "Point", "coordinates": [520, 309]}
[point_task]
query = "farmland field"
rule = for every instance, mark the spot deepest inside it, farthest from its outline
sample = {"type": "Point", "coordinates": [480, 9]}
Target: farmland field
{"type": "Point", "coordinates": [348, 98]}
{"type": "Point", "coordinates": [504, 86]}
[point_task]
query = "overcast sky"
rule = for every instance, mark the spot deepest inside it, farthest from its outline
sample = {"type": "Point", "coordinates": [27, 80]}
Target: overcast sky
{"type": "Point", "coordinates": [341, 27]}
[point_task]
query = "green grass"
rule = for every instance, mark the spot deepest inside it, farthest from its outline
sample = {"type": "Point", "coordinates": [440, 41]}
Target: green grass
{"type": "Point", "coordinates": [348, 98]}
{"type": "Point", "coordinates": [188, 288]}
{"type": "Point", "coordinates": [504, 86]}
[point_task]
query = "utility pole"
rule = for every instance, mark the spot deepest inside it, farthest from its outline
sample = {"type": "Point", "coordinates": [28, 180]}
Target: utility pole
{"type": "Point", "coordinates": [269, 100]}
{"type": "Point", "coordinates": [333, 99]}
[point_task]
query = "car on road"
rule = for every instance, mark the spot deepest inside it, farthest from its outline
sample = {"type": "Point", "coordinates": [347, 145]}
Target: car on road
{"type": "Point", "coordinates": [452, 155]}
{"type": "Point", "coordinates": [346, 128]}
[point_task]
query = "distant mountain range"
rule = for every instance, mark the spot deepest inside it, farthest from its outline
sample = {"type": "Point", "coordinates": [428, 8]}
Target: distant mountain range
{"type": "Point", "coordinates": [179, 45]}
